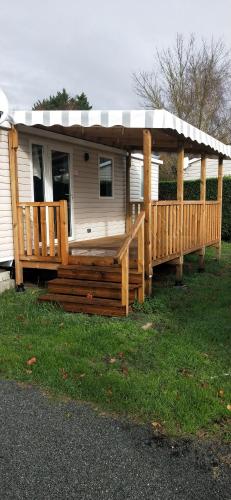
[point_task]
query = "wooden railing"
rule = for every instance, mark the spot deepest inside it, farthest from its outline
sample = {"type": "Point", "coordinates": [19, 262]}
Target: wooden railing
{"type": "Point", "coordinates": [178, 228]}
{"type": "Point", "coordinates": [43, 231]}
{"type": "Point", "coordinates": [136, 231]}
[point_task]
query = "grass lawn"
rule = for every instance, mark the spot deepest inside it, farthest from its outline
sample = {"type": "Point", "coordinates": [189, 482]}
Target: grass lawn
{"type": "Point", "coordinates": [173, 374]}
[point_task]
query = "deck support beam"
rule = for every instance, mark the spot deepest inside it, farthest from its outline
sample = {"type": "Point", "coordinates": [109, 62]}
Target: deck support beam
{"type": "Point", "coordinates": [201, 252]}
{"type": "Point", "coordinates": [219, 198]}
{"type": "Point", "coordinates": [13, 146]}
{"type": "Point", "coordinates": [180, 199]}
{"type": "Point", "coordinates": [147, 153]}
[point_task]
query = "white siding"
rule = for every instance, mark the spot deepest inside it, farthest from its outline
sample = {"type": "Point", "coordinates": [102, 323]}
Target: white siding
{"type": "Point", "coordinates": [135, 179]}
{"type": "Point", "coordinates": [103, 217]}
{"type": "Point", "coordinates": [6, 234]}
{"type": "Point", "coordinates": [193, 171]}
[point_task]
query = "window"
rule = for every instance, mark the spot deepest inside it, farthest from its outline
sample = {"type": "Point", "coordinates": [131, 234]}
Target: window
{"type": "Point", "coordinates": [38, 172]}
{"type": "Point", "coordinates": [105, 177]}
{"type": "Point", "coordinates": [60, 162]}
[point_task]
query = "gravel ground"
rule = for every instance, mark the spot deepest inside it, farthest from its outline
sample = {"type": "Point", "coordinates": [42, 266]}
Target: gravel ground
{"type": "Point", "coordinates": [63, 450]}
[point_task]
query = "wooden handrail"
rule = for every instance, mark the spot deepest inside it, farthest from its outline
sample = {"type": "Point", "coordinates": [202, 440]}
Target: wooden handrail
{"type": "Point", "coordinates": [131, 235]}
{"type": "Point", "coordinates": [185, 202]}
{"type": "Point", "coordinates": [39, 204]}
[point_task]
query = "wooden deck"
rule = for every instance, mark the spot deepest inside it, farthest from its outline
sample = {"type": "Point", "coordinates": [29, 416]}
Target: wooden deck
{"type": "Point", "coordinates": [92, 273]}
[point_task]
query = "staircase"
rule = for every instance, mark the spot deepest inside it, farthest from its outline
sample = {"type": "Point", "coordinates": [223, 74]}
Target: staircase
{"type": "Point", "coordinates": [92, 289]}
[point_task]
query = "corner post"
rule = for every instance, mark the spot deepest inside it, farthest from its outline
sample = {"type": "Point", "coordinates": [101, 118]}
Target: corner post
{"type": "Point", "coordinates": [147, 153]}
{"type": "Point", "coordinates": [180, 199]}
{"type": "Point", "coordinates": [13, 146]}
{"type": "Point", "coordinates": [128, 205]}
{"type": "Point", "coordinates": [201, 252]}
{"type": "Point", "coordinates": [219, 199]}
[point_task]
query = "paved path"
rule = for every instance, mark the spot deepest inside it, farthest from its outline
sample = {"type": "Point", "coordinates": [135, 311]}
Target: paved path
{"type": "Point", "coordinates": [57, 450]}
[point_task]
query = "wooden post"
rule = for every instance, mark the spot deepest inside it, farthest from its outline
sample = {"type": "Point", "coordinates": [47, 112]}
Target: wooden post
{"type": "Point", "coordinates": [140, 243]}
{"type": "Point", "coordinates": [64, 232]}
{"type": "Point", "coordinates": [147, 152]}
{"type": "Point", "coordinates": [13, 146]}
{"type": "Point", "coordinates": [128, 204]}
{"type": "Point", "coordinates": [201, 252]}
{"type": "Point", "coordinates": [219, 198]}
{"type": "Point", "coordinates": [180, 198]}
{"type": "Point", "coordinates": [125, 281]}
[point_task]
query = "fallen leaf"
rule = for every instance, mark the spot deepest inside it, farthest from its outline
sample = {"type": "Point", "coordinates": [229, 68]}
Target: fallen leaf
{"type": "Point", "coordinates": [120, 355]}
{"type": "Point", "coordinates": [124, 370]}
{"type": "Point", "coordinates": [31, 361]}
{"type": "Point", "coordinates": [205, 385]}
{"type": "Point", "coordinates": [68, 414]}
{"type": "Point", "coordinates": [109, 360]}
{"type": "Point", "coordinates": [228, 407]}
{"type": "Point", "coordinates": [147, 326]}
{"type": "Point", "coordinates": [112, 361]}
{"type": "Point", "coordinates": [29, 346]}
{"type": "Point", "coordinates": [64, 374]}
{"type": "Point", "coordinates": [221, 393]}
{"type": "Point", "coordinates": [186, 372]}
{"type": "Point", "coordinates": [109, 391]}
{"type": "Point", "coordinates": [61, 325]}
{"type": "Point", "coordinates": [156, 425]}
{"type": "Point", "coordinates": [20, 317]}
{"type": "Point", "coordinates": [215, 472]}
{"type": "Point", "coordinates": [28, 372]}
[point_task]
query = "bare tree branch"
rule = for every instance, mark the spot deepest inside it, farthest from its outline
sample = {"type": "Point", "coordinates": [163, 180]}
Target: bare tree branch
{"type": "Point", "coordinates": [192, 80]}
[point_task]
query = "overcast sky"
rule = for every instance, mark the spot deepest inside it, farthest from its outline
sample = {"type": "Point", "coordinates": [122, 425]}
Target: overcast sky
{"type": "Point", "coordinates": [94, 46]}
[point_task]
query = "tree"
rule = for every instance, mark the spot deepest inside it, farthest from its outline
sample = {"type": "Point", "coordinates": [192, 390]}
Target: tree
{"type": "Point", "coordinates": [192, 81]}
{"type": "Point", "coordinates": [62, 100]}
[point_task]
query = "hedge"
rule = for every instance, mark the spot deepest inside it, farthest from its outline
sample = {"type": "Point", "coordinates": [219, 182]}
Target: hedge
{"type": "Point", "coordinates": [167, 191]}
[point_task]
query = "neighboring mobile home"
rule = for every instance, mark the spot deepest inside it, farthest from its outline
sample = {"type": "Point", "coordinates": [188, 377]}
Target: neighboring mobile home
{"type": "Point", "coordinates": [192, 168]}
{"type": "Point", "coordinates": [77, 208]}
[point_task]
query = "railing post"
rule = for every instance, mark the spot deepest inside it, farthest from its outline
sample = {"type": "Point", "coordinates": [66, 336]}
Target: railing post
{"type": "Point", "coordinates": [13, 146]}
{"type": "Point", "coordinates": [180, 198]}
{"type": "Point", "coordinates": [201, 252]}
{"type": "Point", "coordinates": [147, 152]}
{"type": "Point", "coordinates": [140, 258]}
{"type": "Point", "coordinates": [125, 280]}
{"type": "Point", "coordinates": [219, 198]}
{"type": "Point", "coordinates": [64, 232]}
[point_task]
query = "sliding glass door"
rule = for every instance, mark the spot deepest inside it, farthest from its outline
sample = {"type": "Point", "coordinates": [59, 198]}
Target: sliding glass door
{"type": "Point", "coordinates": [60, 164]}
{"type": "Point", "coordinates": [51, 176]}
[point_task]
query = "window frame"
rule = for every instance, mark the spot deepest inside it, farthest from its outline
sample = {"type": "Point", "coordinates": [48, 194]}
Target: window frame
{"type": "Point", "coordinates": [111, 158]}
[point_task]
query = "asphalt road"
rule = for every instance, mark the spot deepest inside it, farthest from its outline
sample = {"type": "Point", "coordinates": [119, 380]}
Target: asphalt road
{"type": "Point", "coordinates": [56, 450]}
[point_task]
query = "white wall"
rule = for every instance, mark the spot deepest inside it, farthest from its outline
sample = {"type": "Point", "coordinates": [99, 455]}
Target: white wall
{"type": "Point", "coordinates": [105, 217]}
{"type": "Point", "coordinates": [6, 234]}
{"type": "Point", "coordinates": [193, 170]}
{"type": "Point", "coordinates": [135, 178]}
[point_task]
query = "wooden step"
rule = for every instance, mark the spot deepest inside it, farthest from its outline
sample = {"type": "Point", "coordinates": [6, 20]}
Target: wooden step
{"type": "Point", "coordinates": [94, 309]}
{"type": "Point", "coordinates": [84, 267]}
{"type": "Point", "coordinates": [62, 298]}
{"type": "Point", "coordinates": [88, 283]}
{"type": "Point", "coordinates": [97, 274]}
{"type": "Point", "coordinates": [101, 292]}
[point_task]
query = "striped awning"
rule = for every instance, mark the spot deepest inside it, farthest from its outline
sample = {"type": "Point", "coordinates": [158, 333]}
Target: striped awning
{"type": "Point", "coordinates": [130, 119]}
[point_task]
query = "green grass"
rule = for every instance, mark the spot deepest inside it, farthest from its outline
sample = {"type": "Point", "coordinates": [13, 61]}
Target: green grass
{"type": "Point", "coordinates": [170, 373]}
